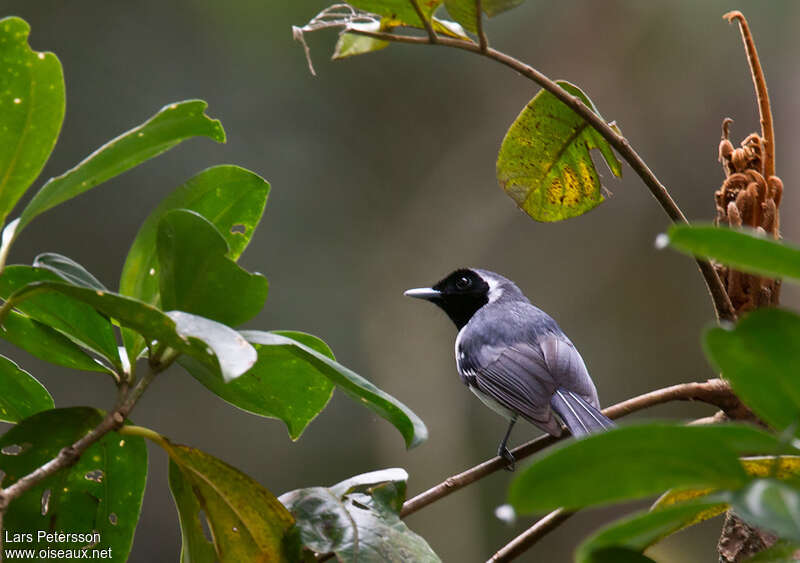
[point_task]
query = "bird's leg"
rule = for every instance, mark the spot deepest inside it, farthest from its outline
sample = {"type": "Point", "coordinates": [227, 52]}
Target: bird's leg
{"type": "Point", "coordinates": [502, 450]}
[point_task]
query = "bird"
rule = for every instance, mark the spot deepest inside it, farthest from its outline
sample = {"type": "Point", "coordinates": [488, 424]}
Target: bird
{"type": "Point", "coordinates": [514, 356]}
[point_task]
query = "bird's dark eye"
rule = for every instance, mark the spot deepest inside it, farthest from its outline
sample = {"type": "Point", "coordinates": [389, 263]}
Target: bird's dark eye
{"type": "Point", "coordinates": [463, 283]}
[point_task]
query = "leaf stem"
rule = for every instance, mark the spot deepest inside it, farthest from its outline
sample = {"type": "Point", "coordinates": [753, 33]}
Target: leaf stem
{"type": "Point", "coordinates": [483, 40]}
{"type": "Point", "coordinates": [722, 303]}
{"type": "Point", "coordinates": [432, 37]}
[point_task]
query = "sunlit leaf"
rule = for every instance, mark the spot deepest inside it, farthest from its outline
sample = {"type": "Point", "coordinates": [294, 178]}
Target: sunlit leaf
{"type": "Point", "coordinates": [197, 276]}
{"type": "Point", "coordinates": [280, 385]}
{"type": "Point", "coordinates": [173, 124]}
{"type": "Point", "coordinates": [463, 11]}
{"type": "Point", "coordinates": [638, 461]}
{"type": "Point", "coordinates": [31, 111]}
{"type": "Point", "coordinates": [246, 521]}
{"type": "Point", "coordinates": [545, 163]}
{"type": "Point", "coordinates": [760, 358]}
{"type": "Point", "coordinates": [102, 492]}
{"type": "Point", "coordinates": [21, 395]}
{"type": "Point", "coordinates": [358, 519]}
{"type": "Point", "coordinates": [745, 249]}
{"type": "Point", "coordinates": [363, 391]}
{"type": "Point", "coordinates": [350, 44]}
{"type": "Point", "coordinates": [401, 10]}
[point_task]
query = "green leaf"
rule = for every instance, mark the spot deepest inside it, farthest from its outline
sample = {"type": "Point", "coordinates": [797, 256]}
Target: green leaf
{"type": "Point", "coordinates": [173, 124]}
{"type": "Point", "coordinates": [638, 461]}
{"type": "Point", "coordinates": [358, 519]}
{"type": "Point", "coordinates": [232, 198]}
{"type": "Point", "coordinates": [197, 276]}
{"type": "Point", "coordinates": [68, 270]}
{"type": "Point", "coordinates": [745, 249]}
{"type": "Point", "coordinates": [75, 320]}
{"type": "Point", "coordinates": [350, 44]}
{"type": "Point", "coordinates": [32, 108]}
{"type": "Point", "coordinates": [401, 10]}
{"type": "Point", "coordinates": [545, 163]}
{"type": "Point", "coordinates": [247, 522]}
{"type": "Point", "coordinates": [463, 11]}
{"type": "Point", "coordinates": [643, 529]}
{"type": "Point", "coordinates": [280, 384]}
{"type": "Point", "coordinates": [618, 555]}
{"type": "Point", "coordinates": [409, 424]}
{"type": "Point", "coordinates": [102, 491]}
{"type": "Point", "coordinates": [215, 344]}
{"type": "Point", "coordinates": [761, 359]}
{"type": "Point", "coordinates": [782, 552]}
{"type": "Point", "coordinates": [20, 394]}
{"type": "Point", "coordinates": [770, 504]}
{"type": "Point", "coordinates": [46, 343]}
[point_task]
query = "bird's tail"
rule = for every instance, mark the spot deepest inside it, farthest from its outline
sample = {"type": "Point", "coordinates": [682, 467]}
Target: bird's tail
{"type": "Point", "coordinates": [580, 417]}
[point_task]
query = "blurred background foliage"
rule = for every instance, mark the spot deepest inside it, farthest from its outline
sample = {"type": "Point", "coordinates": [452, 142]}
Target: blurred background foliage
{"type": "Point", "coordinates": [383, 178]}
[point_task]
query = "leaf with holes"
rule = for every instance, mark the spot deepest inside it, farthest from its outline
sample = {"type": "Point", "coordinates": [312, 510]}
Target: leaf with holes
{"type": "Point", "coordinates": [409, 424]}
{"type": "Point", "coordinates": [78, 321]}
{"type": "Point", "coordinates": [232, 198]}
{"type": "Point", "coordinates": [358, 519]}
{"type": "Point", "coordinates": [21, 395]}
{"type": "Point", "coordinates": [545, 163]}
{"type": "Point", "coordinates": [197, 276]}
{"type": "Point", "coordinates": [171, 125]}
{"type": "Point", "coordinates": [68, 270]}
{"type": "Point", "coordinates": [247, 523]}
{"type": "Point", "coordinates": [647, 459]}
{"type": "Point", "coordinates": [102, 492]}
{"type": "Point", "coordinates": [32, 107]}
{"type": "Point", "coordinates": [220, 347]}
{"type": "Point", "coordinates": [745, 249]}
{"type": "Point", "coordinates": [280, 384]}
{"type": "Point", "coordinates": [760, 358]}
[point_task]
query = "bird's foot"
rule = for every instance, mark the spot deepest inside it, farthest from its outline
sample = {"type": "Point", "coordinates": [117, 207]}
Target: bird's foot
{"type": "Point", "coordinates": [511, 462]}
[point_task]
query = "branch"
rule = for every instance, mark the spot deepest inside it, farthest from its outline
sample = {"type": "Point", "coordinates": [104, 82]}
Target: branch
{"type": "Point", "coordinates": [532, 535]}
{"type": "Point", "coordinates": [722, 303]}
{"type": "Point", "coordinates": [760, 83]}
{"type": "Point", "coordinates": [432, 38]}
{"type": "Point", "coordinates": [69, 455]}
{"type": "Point", "coordinates": [714, 392]}
{"type": "Point", "coordinates": [484, 42]}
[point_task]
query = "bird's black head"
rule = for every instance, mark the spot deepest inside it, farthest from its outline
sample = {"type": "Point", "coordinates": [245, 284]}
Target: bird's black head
{"type": "Point", "coordinates": [462, 293]}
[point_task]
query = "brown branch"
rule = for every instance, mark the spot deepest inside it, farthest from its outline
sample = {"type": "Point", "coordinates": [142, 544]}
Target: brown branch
{"type": "Point", "coordinates": [722, 303]}
{"type": "Point", "coordinates": [760, 84]}
{"type": "Point", "coordinates": [529, 537]}
{"type": "Point", "coordinates": [483, 41]}
{"type": "Point", "coordinates": [432, 37]}
{"type": "Point", "coordinates": [714, 392]}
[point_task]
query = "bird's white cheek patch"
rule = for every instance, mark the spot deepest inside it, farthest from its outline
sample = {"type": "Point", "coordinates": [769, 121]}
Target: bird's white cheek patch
{"type": "Point", "coordinates": [495, 291]}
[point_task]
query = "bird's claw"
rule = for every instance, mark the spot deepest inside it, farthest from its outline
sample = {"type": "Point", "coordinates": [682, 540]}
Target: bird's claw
{"type": "Point", "coordinates": [511, 462]}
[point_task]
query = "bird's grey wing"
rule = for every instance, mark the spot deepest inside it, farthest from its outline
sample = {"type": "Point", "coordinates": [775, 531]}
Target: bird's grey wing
{"type": "Point", "coordinates": [518, 378]}
{"type": "Point", "coordinates": [567, 368]}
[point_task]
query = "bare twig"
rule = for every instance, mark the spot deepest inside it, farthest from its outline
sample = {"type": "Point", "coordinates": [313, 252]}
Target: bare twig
{"type": "Point", "coordinates": [530, 536]}
{"type": "Point", "coordinates": [432, 37]}
{"type": "Point", "coordinates": [714, 392]}
{"type": "Point", "coordinates": [483, 41]}
{"type": "Point", "coordinates": [760, 83]}
{"type": "Point", "coordinates": [722, 304]}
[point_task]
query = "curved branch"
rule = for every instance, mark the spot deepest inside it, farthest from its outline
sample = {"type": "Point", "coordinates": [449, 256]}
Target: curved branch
{"type": "Point", "coordinates": [530, 536]}
{"type": "Point", "coordinates": [722, 303]}
{"type": "Point", "coordinates": [713, 392]}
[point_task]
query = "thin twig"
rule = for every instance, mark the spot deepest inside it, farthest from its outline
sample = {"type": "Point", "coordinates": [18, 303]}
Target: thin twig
{"type": "Point", "coordinates": [714, 392]}
{"type": "Point", "coordinates": [432, 37]}
{"type": "Point", "coordinates": [483, 41]}
{"type": "Point", "coordinates": [529, 537]}
{"type": "Point", "coordinates": [760, 84]}
{"type": "Point", "coordinates": [722, 303]}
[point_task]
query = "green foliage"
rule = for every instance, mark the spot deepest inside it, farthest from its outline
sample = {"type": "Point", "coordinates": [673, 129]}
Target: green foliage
{"type": "Point", "coordinates": [745, 250]}
{"type": "Point", "coordinates": [358, 519]}
{"type": "Point", "coordinates": [20, 394]}
{"type": "Point", "coordinates": [465, 13]}
{"type": "Point", "coordinates": [770, 504]}
{"type": "Point", "coordinates": [32, 109]}
{"type": "Point", "coordinates": [545, 163]}
{"type": "Point", "coordinates": [102, 492]}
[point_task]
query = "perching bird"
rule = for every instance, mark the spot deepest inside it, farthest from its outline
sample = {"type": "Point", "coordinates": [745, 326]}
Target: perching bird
{"type": "Point", "coordinates": [514, 357]}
